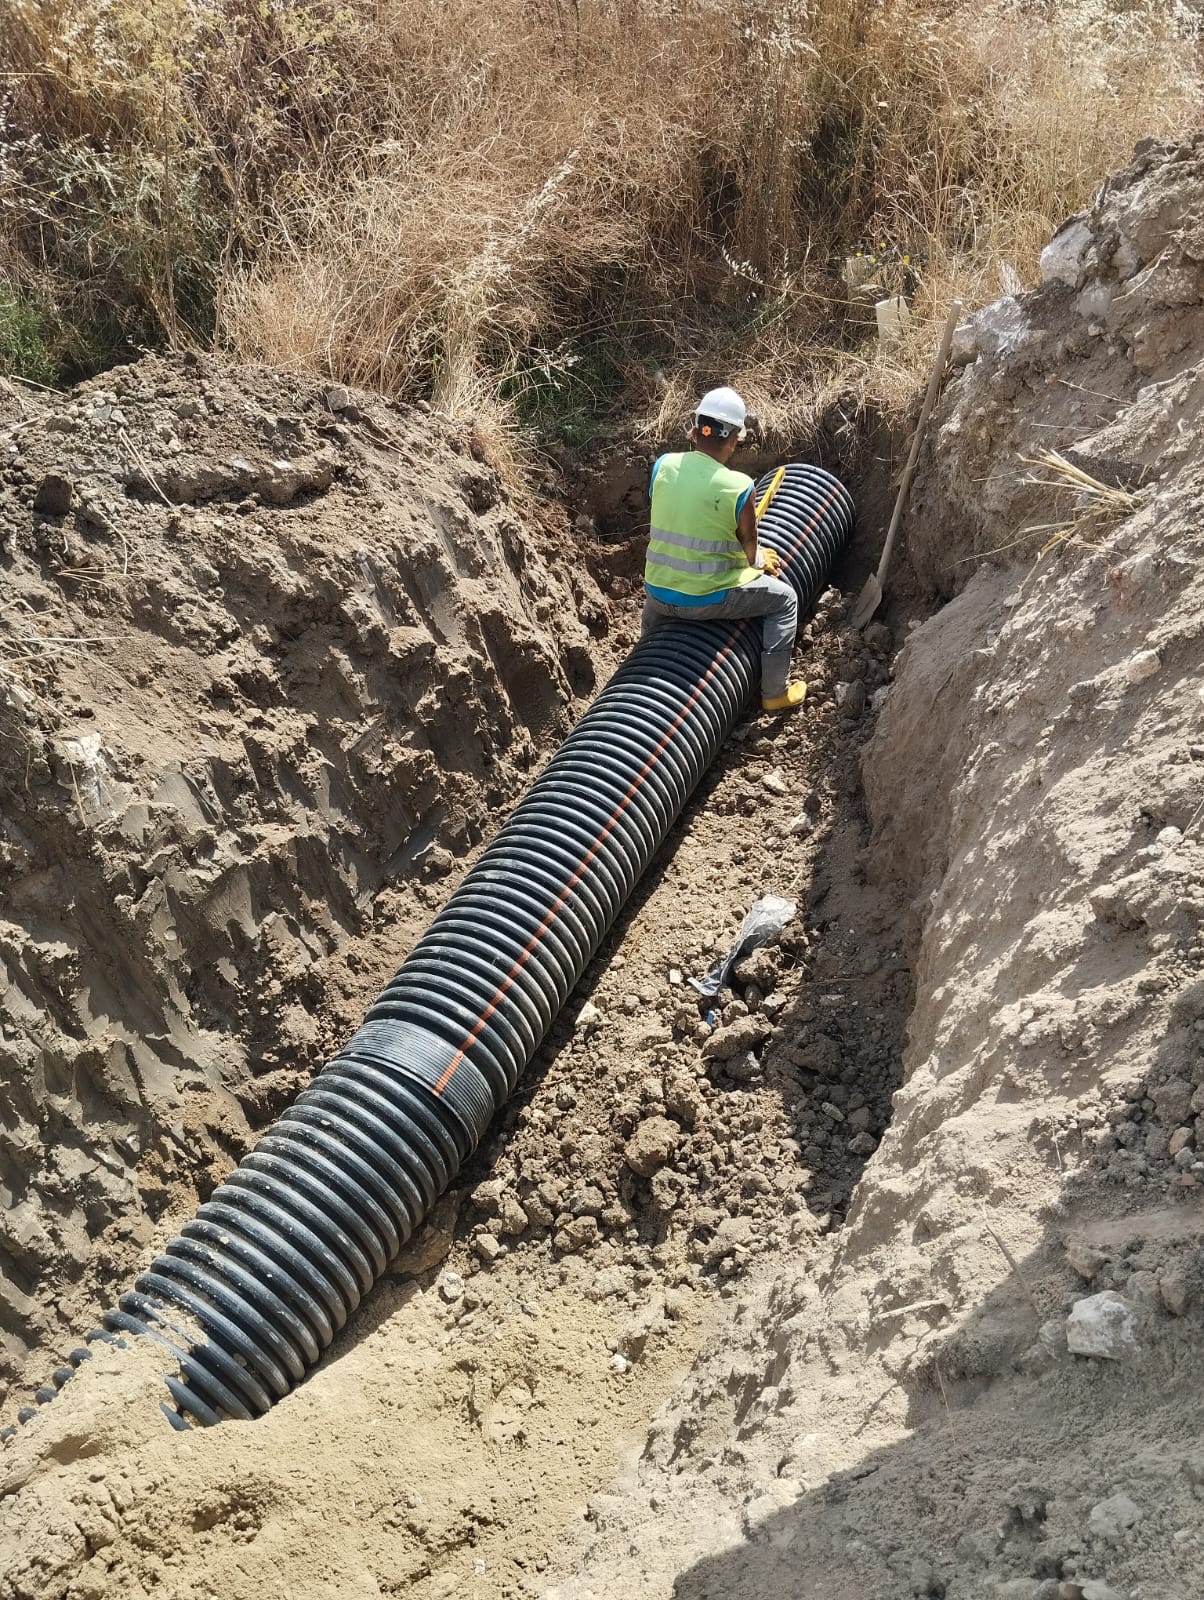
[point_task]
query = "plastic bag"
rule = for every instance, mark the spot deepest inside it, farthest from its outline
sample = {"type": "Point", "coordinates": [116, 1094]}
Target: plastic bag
{"type": "Point", "coordinates": [764, 922]}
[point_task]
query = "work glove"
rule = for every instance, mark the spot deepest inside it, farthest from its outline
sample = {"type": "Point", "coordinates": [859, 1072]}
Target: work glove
{"type": "Point", "coordinates": [769, 562]}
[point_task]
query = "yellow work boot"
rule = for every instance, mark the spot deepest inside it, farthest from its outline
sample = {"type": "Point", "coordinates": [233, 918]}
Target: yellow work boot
{"type": "Point", "coordinates": [795, 694]}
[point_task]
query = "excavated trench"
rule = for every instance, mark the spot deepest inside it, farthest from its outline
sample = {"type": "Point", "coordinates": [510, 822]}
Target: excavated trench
{"type": "Point", "coordinates": [650, 1163]}
{"type": "Point", "coordinates": [663, 1336]}
{"type": "Point", "coordinates": [280, 1256]}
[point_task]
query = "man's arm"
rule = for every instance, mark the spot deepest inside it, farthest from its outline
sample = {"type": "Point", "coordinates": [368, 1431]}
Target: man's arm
{"type": "Point", "coordinates": [746, 529]}
{"type": "Point", "coordinates": [746, 532]}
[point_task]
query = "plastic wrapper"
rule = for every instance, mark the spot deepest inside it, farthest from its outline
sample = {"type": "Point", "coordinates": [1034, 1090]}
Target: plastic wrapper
{"type": "Point", "coordinates": [762, 925]}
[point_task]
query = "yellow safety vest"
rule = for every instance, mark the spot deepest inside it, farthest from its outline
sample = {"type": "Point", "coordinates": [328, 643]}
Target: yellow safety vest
{"type": "Point", "coordinates": [693, 548]}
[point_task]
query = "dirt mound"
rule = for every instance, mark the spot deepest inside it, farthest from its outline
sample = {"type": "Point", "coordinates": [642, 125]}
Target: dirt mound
{"type": "Point", "coordinates": [1101, 363]}
{"type": "Point", "coordinates": [273, 657]}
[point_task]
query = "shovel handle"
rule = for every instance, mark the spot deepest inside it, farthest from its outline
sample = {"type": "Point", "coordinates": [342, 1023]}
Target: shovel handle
{"type": "Point", "coordinates": [934, 384]}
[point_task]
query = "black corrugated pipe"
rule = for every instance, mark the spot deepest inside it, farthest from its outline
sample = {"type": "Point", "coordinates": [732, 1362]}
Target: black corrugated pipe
{"type": "Point", "coordinates": [253, 1290]}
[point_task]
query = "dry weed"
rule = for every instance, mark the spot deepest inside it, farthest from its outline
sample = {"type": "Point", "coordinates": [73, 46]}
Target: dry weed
{"type": "Point", "coordinates": [473, 201]}
{"type": "Point", "coordinates": [1095, 507]}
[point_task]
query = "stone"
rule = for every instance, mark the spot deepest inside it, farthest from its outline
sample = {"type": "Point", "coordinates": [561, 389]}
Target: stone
{"type": "Point", "coordinates": [774, 781]}
{"type": "Point", "coordinates": [1093, 300]}
{"type": "Point", "coordinates": [1172, 1101]}
{"type": "Point", "coordinates": [682, 1099]}
{"type": "Point", "coordinates": [580, 1234]}
{"type": "Point", "coordinates": [651, 1146]}
{"type": "Point", "coordinates": [851, 698]}
{"type": "Point", "coordinates": [54, 495]}
{"type": "Point", "coordinates": [862, 1144]}
{"type": "Point", "coordinates": [512, 1219]}
{"type": "Point", "coordinates": [1048, 1347]}
{"type": "Point", "coordinates": [1143, 1288]}
{"type": "Point", "coordinates": [487, 1247]}
{"type": "Point", "coordinates": [1102, 1325]}
{"type": "Point", "coordinates": [742, 1068]}
{"type": "Point", "coordinates": [586, 1200]}
{"type": "Point", "coordinates": [734, 1236]}
{"type": "Point", "coordinates": [745, 1033]}
{"type": "Point", "coordinates": [451, 1287]}
{"type": "Point", "coordinates": [964, 348]}
{"type": "Point", "coordinates": [758, 967]}
{"type": "Point", "coordinates": [1112, 1518]}
{"type": "Point", "coordinates": [878, 637]}
{"type": "Point", "coordinates": [1179, 1140]}
{"type": "Point", "coordinates": [1099, 1589]}
{"type": "Point", "coordinates": [1157, 1144]}
{"type": "Point", "coordinates": [800, 825]}
{"type": "Point", "coordinates": [1063, 259]}
{"type": "Point", "coordinates": [538, 1210]}
{"type": "Point", "coordinates": [487, 1196]}
{"type": "Point", "coordinates": [997, 328]}
{"type": "Point", "coordinates": [588, 1018]}
{"type": "Point", "coordinates": [1174, 1290]}
{"type": "Point", "coordinates": [1141, 666]}
{"type": "Point", "coordinates": [337, 397]}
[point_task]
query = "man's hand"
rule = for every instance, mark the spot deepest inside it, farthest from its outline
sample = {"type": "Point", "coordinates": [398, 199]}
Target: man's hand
{"type": "Point", "coordinates": [769, 561]}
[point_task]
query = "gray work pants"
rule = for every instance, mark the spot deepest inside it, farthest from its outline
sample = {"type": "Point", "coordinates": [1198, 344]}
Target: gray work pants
{"type": "Point", "coordinates": [771, 599]}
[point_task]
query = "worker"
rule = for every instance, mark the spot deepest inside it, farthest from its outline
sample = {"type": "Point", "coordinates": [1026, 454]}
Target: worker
{"type": "Point", "coordinates": [704, 561]}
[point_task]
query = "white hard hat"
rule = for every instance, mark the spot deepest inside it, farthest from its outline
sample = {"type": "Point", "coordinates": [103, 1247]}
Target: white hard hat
{"type": "Point", "coordinates": [723, 405]}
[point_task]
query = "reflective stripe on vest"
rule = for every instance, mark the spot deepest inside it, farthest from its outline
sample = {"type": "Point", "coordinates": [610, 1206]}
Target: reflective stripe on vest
{"type": "Point", "coordinates": [693, 547]}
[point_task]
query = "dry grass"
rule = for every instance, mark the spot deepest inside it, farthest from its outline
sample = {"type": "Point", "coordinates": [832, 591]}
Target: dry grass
{"type": "Point", "coordinates": [537, 207]}
{"type": "Point", "coordinates": [1095, 506]}
{"type": "Point", "coordinates": [1092, 507]}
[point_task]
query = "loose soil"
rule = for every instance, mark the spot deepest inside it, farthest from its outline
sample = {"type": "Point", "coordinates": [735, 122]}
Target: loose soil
{"type": "Point", "coordinates": [771, 1302]}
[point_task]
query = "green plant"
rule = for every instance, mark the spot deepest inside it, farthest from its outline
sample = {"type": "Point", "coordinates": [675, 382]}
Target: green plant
{"type": "Point", "coordinates": [23, 352]}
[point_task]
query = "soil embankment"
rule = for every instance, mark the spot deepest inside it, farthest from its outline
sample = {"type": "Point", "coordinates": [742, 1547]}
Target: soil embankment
{"type": "Point", "coordinates": [919, 1412]}
{"type": "Point", "coordinates": [274, 658]}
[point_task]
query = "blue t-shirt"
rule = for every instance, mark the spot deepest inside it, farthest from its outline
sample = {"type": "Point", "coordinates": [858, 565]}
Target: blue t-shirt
{"type": "Point", "coordinates": [675, 597]}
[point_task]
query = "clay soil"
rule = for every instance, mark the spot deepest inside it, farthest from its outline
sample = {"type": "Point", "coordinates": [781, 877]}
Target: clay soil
{"type": "Point", "coordinates": [772, 1297]}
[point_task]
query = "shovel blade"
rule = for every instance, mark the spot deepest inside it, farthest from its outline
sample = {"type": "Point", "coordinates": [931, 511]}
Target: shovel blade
{"type": "Point", "coordinates": [868, 601]}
